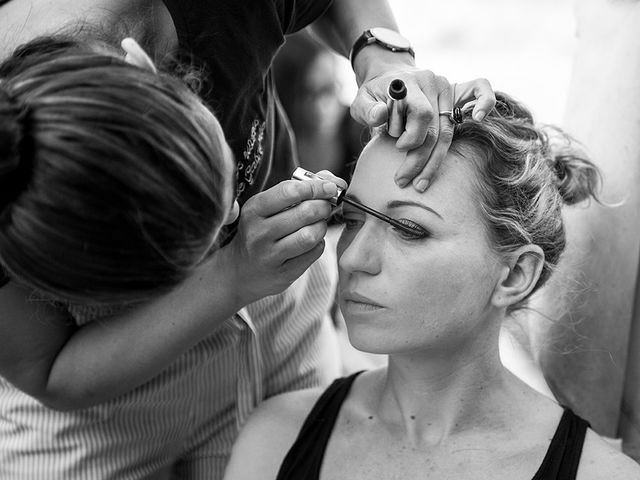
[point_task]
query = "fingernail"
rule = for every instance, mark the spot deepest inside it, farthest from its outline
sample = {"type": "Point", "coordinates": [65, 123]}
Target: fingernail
{"type": "Point", "coordinates": [402, 182]}
{"type": "Point", "coordinates": [374, 113]}
{"type": "Point", "coordinates": [329, 188]}
{"type": "Point", "coordinates": [421, 185]}
{"type": "Point", "coordinates": [479, 115]}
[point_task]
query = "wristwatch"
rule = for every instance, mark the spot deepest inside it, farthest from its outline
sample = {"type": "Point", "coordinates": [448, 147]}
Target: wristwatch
{"type": "Point", "coordinates": [384, 37]}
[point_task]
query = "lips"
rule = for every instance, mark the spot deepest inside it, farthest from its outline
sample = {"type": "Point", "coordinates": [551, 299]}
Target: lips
{"type": "Point", "coordinates": [358, 298]}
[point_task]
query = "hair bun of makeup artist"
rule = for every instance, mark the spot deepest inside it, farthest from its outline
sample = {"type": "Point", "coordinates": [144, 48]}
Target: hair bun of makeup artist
{"type": "Point", "coordinates": [397, 89]}
{"type": "Point", "coordinates": [15, 172]}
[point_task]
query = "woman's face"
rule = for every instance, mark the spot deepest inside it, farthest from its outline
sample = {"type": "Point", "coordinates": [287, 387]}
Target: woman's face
{"type": "Point", "coordinates": [403, 293]}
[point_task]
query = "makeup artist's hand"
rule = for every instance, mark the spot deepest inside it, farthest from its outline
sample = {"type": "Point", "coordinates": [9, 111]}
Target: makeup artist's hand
{"type": "Point", "coordinates": [280, 234]}
{"type": "Point", "coordinates": [427, 135]}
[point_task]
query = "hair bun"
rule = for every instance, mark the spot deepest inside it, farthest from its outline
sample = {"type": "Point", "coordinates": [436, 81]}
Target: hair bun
{"type": "Point", "coordinates": [15, 172]}
{"type": "Point", "coordinates": [577, 178]}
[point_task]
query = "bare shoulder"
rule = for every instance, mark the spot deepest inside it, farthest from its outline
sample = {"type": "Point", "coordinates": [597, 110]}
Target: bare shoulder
{"type": "Point", "coordinates": [268, 435]}
{"type": "Point", "coordinates": [600, 460]}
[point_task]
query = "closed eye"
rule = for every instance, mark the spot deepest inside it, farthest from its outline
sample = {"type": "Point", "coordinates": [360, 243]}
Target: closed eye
{"type": "Point", "coordinates": [413, 230]}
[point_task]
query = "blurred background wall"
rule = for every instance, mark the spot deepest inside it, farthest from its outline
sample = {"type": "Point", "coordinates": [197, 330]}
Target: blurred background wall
{"type": "Point", "coordinates": [524, 47]}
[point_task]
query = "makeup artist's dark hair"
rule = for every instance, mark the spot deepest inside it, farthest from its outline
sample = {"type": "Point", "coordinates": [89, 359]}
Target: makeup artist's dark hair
{"type": "Point", "coordinates": [527, 173]}
{"type": "Point", "coordinates": [114, 180]}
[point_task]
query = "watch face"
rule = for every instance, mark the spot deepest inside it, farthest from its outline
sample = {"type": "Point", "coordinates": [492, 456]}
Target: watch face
{"type": "Point", "coordinates": [390, 37]}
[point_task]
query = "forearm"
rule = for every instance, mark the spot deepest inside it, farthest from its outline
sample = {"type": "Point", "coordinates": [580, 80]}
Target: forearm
{"type": "Point", "coordinates": [345, 21]}
{"type": "Point", "coordinates": [107, 358]}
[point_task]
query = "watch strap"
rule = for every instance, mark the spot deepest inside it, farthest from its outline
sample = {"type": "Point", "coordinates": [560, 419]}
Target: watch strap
{"type": "Point", "coordinates": [367, 38]}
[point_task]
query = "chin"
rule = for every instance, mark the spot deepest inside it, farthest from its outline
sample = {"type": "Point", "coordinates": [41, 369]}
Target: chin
{"type": "Point", "coordinates": [361, 337]}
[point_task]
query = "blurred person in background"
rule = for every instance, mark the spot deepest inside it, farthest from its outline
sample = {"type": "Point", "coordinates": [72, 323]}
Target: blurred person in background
{"type": "Point", "coordinates": [308, 83]}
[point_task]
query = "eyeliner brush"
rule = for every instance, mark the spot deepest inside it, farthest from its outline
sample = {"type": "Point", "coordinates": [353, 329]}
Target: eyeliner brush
{"type": "Point", "coordinates": [379, 215]}
{"type": "Point", "coordinates": [302, 174]}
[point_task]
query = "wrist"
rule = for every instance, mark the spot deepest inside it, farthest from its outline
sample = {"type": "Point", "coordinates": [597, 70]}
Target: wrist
{"type": "Point", "coordinates": [375, 60]}
{"type": "Point", "coordinates": [219, 278]}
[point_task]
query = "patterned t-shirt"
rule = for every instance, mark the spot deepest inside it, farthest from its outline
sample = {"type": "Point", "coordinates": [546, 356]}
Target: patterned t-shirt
{"type": "Point", "coordinates": [236, 41]}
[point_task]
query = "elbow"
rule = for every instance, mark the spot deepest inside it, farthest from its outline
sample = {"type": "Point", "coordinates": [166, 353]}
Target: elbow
{"type": "Point", "coordinates": [63, 404]}
{"type": "Point", "coordinates": [63, 400]}
{"type": "Point", "coordinates": [56, 398]}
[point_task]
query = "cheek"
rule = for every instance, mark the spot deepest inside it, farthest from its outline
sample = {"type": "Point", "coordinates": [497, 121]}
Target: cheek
{"type": "Point", "coordinates": [446, 281]}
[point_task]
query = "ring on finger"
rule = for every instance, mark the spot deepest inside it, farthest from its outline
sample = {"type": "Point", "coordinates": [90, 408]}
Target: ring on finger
{"type": "Point", "coordinates": [454, 115]}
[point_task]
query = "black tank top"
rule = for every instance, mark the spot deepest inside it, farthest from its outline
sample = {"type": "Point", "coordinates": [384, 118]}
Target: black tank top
{"type": "Point", "coordinates": [304, 459]}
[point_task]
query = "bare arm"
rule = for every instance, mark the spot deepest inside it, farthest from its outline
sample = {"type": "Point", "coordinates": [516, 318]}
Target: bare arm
{"type": "Point", "coordinates": [66, 367]}
{"type": "Point", "coordinates": [346, 20]}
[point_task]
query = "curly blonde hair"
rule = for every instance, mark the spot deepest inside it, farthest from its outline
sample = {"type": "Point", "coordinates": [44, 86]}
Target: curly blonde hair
{"type": "Point", "coordinates": [527, 172]}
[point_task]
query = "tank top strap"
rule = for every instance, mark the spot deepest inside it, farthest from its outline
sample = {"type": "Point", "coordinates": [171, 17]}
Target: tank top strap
{"type": "Point", "coordinates": [305, 456]}
{"type": "Point", "coordinates": [563, 455]}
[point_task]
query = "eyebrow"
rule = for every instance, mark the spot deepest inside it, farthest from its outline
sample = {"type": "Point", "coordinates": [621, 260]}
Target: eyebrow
{"type": "Point", "coordinates": [403, 203]}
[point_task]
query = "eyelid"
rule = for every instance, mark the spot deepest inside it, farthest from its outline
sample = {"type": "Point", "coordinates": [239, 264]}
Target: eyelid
{"type": "Point", "coordinates": [412, 228]}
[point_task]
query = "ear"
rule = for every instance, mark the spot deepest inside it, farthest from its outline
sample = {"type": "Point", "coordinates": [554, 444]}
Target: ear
{"type": "Point", "coordinates": [519, 276]}
{"type": "Point", "coordinates": [135, 55]}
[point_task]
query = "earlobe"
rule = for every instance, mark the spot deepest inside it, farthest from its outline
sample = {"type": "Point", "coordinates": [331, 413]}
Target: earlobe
{"type": "Point", "coordinates": [135, 55]}
{"type": "Point", "coordinates": [519, 276]}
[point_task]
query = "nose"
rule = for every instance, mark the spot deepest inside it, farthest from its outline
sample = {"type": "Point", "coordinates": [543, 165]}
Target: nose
{"type": "Point", "coordinates": [360, 251]}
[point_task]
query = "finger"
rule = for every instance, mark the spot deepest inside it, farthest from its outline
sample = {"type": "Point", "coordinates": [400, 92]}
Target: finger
{"type": "Point", "coordinates": [423, 179]}
{"type": "Point", "coordinates": [420, 115]}
{"type": "Point", "coordinates": [416, 162]}
{"type": "Point", "coordinates": [300, 242]}
{"type": "Point", "coordinates": [296, 218]}
{"type": "Point", "coordinates": [288, 193]}
{"type": "Point", "coordinates": [297, 266]}
{"type": "Point", "coordinates": [135, 55]}
{"type": "Point", "coordinates": [479, 90]}
{"type": "Point", "coordinates": [327, 175]}
{"type": "Point", "coordinates": [367, 109]}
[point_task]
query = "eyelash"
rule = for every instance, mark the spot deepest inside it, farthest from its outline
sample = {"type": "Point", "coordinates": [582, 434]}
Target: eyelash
{"type": "Point", "coordinates": [420, 232]}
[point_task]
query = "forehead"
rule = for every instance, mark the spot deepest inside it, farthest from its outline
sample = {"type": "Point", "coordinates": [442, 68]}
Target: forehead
{"type": "Point", "coordinates": [452, 190]}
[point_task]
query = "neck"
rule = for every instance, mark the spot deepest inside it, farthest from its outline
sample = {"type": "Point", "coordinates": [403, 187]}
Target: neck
{"type": "Point", "coordinates": [436, 396]}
